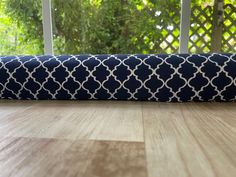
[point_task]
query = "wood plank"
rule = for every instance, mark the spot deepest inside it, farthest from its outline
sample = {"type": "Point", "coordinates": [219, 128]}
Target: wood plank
{"type": "Point", "coordinates": [27, 157]}
{"type": "Point", "coordinates": [98, 120]}
{"type": "Point", "coordinates": [117, 159]}
{"type": "Point", "coordinates": [192, 139]}
{"type": "Point", "coordinates": [8, 107]}
{"type": "Point", "coordinates": [105, 138]}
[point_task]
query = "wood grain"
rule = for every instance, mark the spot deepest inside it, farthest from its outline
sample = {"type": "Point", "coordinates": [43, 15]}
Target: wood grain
{"type": "Point", "coordinates": [117, 139]}
{"type": "Point", "coordinates": [97, 120]}
{"type": "Point", "coordinates": [27, 157]}
{"type": "Point", "coordinates": [10, 106]}
{"type": "Point", "coordinates": [194, 139]}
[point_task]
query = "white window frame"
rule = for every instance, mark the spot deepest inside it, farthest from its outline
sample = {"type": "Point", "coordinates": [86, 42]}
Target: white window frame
{"type": "Point", "coordinates": [47, 27]}
{"type": "Point", "coordinates": [184, 26]}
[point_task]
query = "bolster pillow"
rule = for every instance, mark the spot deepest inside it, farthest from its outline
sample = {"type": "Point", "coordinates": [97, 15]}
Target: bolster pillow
{"type": "Point", "coordinates": [182, 77]}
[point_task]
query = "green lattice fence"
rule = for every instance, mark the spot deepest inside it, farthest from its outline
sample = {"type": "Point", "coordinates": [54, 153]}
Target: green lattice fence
{"type": "Point", "coordinates": [201, 31]}
{"type": "Point", "coordinates": [229, 29]}
{"type": "Point", "coordinates": [169, 41]}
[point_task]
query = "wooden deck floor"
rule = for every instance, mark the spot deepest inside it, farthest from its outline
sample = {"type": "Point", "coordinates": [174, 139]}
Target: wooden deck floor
{"type": "Point", "coordinates": [117, 139]}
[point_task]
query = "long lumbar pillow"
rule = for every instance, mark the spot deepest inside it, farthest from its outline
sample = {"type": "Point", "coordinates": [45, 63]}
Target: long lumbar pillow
{"type": "Point", "coordinates": [202, 77]}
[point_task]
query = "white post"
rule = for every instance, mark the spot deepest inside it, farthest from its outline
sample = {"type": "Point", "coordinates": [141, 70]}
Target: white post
{"type": "Point", "coordinates": [184, 25]}
{"type": "Point", "coordinates": [47, 27]}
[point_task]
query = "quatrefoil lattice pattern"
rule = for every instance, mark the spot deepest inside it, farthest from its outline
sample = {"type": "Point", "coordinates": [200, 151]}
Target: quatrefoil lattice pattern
{"type": "Point", "coordinates": [185, 77]}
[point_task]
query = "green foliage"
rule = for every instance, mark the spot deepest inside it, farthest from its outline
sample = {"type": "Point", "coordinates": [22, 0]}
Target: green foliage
{"type": "Point", "coordinates": [93, 26]}
{"type": "Point", "coordinates": [104, 26]}
{"type": "Point", "coordinates": [20, 27]}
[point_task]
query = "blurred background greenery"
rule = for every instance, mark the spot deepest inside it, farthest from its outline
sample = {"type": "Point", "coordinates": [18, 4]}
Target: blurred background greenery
{"type": "Point", "coordinates": [107, 26]}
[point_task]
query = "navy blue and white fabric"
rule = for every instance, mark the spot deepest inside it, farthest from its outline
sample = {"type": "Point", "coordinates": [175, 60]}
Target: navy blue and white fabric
{"type": "Point", "coordinates": [185, 77]}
